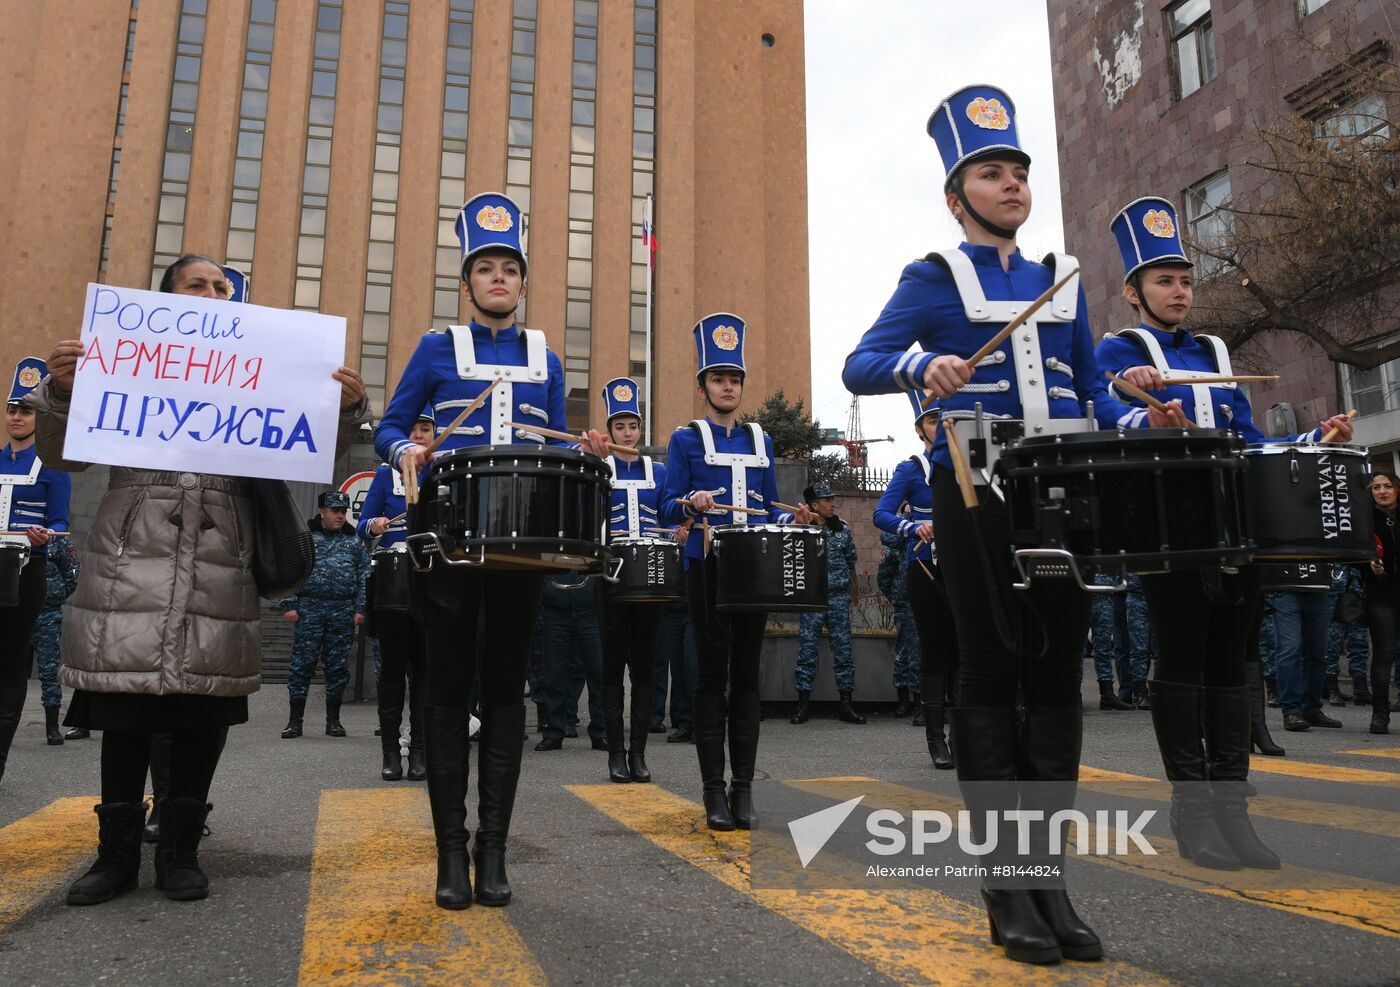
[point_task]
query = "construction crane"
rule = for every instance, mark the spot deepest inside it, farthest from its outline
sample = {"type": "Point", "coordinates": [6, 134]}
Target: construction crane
{"type": "Point", "coordinates": [853, 442]}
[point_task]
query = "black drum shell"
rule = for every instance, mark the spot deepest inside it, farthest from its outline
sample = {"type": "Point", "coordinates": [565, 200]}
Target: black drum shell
{"type": "Point", "coordinates": [1144, 500]}
{"type": "Point", "coordinates": [770, 567]}
{"type": "Point", "coordinates": [13, 557]}
{"type": "Point", "coordinates": [652, 571]}
{"type": "Point", "coordinates": [526, 507]}
{"type": "Point", "coordinates": [1310, 502]}
{"type": "Point", "coordinates": [388, 581]}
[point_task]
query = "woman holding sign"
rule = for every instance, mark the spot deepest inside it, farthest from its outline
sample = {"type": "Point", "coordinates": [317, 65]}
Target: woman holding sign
{"type": "Point", "coordinates": [448, 372]}
{"type": "Point", "coordinates": [163, 632]}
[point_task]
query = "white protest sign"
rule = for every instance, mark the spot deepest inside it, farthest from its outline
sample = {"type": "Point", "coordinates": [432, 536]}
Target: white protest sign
{"type": "Point", "coordinates": [176, 382]}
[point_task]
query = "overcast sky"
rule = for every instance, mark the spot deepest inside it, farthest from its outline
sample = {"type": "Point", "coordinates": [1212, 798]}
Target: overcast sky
{"type": "Point", "coordinates": [875, 71]}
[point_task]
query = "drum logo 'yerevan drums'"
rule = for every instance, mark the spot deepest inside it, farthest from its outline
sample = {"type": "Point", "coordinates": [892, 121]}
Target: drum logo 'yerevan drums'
{"type": "Point", "coordinates": [794, 566]}
{"type": "Point", "coordinates": [1336, 498]}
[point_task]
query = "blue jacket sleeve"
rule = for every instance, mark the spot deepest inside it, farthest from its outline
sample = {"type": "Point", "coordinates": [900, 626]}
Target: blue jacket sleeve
{"type": "Point", "coordinates": [375, 501]}
{"type": "Point", "coordinates": [887, 510]}
{"type": "Point", "coordinates": [414, 388]}
{"type": "Point", "coordinates": [1090, 383]}
{"type": "Point", "coordinates": [59, 492]}
{"type": "Point", "coordinates": [557, 419]}
{"type": "Point", "coordinates": [770, 486]}
{"type": "Point", "coordinates": [670, 511]}
{"type": "Point", "coordinates": [882, 362]}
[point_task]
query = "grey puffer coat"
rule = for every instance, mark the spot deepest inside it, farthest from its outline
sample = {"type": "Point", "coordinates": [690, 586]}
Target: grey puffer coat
{"type": "Point", "coordinates": [167, 604]}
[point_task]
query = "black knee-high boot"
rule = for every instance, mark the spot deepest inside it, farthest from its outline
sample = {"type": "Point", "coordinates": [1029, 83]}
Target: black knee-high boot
{"type": "Point", "coordinates": [1051, 740]}
{"type": "Point", "coordinates": [935, 716]}
{"type": "Point", "coordinates": [11, 707]}
{"type": "Point", "coordinates": [1226, 723]}
{"type": "Point", "coordinates": [1177, 708]}
{"type": "Point", "coordinates": [502, 728]}
{"type": "Point", "coordinates": [640, 727]}
{"type": "Point", "coordinates": [744, 717]}
{"type": "Point", "coordinates": [1259, 736]}
{"type": "Point", "coordinates": [1380, 697]}
{"type": "Point", "coordinates": [709, 749]}
{"type": "Point", "coordinates": [987, 740]}
{"type": "Point", "coordinates": [446, 747]}
{"type": "Point", "coordinates": [612, 723]}
{"type": "Point", "coordinates": [390, 722]}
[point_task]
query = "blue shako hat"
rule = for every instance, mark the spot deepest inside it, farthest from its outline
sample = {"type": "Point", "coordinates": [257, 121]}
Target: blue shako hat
{"type": "Point", "coordinates": [976, 122]}
{"type": "Point", "coordinates": [1148, 234]}
{"type": "Point", "coordinates": [916, 398]}
{"type": "Point", "coordinates": [242, 284]}
{"type": "Point", "coordinates": [621, 397]}
{"type": "Point", "coordinates": [719, 343]}
{"type": "Point", "coordinates": [29, 374]}
{"type": "Point", "coordinates": [428, 414]}
{"type": "Point", "coordinates": [491, 220]}
{"type": "Point", "coordinates": [333, 499]}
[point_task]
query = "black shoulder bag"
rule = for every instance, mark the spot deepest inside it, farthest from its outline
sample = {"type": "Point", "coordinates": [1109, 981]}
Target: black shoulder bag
{"type": "Point", "coordinates": [283, 553]}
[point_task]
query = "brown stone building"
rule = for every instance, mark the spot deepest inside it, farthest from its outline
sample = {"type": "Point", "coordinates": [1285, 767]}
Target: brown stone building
{"type": "Point", "coordinates": [325, 146]}
{"type": "Point", "coordinates": [1158, 97]}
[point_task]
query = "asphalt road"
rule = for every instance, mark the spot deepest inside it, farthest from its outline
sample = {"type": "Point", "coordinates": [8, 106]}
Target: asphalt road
{"type": "Point", "coordinates": [322, 873]}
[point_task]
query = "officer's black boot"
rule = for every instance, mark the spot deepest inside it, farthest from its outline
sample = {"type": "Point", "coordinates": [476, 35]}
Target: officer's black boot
{"type": "Point", "coordinates": [804, 707]}
{"type": "Point", "coordinates": [847, 713]}
{"type": "Point", "coordinates": [1051, 739]}
{"type": "Point", "coordinates": [52, 733]}
{"type": "Point", "coordinates": [293, 727]}
{"type": "Point", "coordinates": [1380, 698]}
{"type": "Point", "coordinates": [1108, 698]}
{"type": "Point", "coordinates": [637, 739]}
{"type": "Point", "coordinates": [1177, 708]}
{"type": "Point", "coordinates": [499, 770]}
{"type": "Point", "coordinates": [390, 720]}
{"type": "Point", "coordinates": [1226, 725]}
{"type": "Point", "coordinates": [118, 862]}
{"type": "Point", "coordinates": [709, 749]}
{"type": "Point", "coordinates": [612, 723]}
{"type": "Point", "coordinates": [445, 744]}
{"type": "Point", "coordinates": [903, 707]}
{"type": "Point", "coordinates": [1259, 737]}
{"type": "Point", "coordinates": [743, 755]}
{"type": "Point", "coordinates": [333, 727]}
{"type": "Point", "coordinates": [987, 740]}
{"type": "Point", "coordinates": [177, 851]}
{"type": "Point", "coordinates": [11, 706]}
{"type": "Point", "coordinates": [160, 783]}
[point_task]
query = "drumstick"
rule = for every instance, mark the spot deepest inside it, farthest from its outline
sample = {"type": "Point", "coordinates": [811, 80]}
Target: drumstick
{"type": "Point", "coordinates": [1011, 327]}
{"type": "Point", "coordinates": [550, 433]}
{"type": "Point", "coordinates": [955, 452]}
{"type": "Point", "coordinates": [706, 524]}
{"type": "Point", "coordinates": [1332, 432]}
{"type": "Point", "coordinates": [1237, 379]}
{"type": "Point", "coordinates": [1134, 391]}
{"type": "Point", "coordinates": [461, 419]}
{"type": "Point", "coordinates": [731, 507]}
{"type": "Point", "coordinates": [660, 531]}
{"type": "Point", "coordinates": [927, 571]}
{"type": "Point", "coordinates": [785, 507]}
{"type": "Point", "coordinates": [410, 481]}
{"type": "Point", "coordinates": [398, 517]}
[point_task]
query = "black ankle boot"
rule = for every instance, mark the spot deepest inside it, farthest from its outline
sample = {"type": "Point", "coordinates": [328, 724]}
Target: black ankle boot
{"type": "Point", "coordinates": [118, 864]}
{"type": "Point", "coordinates": [499, 769]}
{"type": "Point", "coordinates": [1226, 724]}
{"type": "Point", "coordinates": [803, 713]}
{"type": "Point", "coordinates": [446, 746]}
{"type": "Point", "coordinates": [612, 724]}
{"type": "Point", "coordinates": [743, 755]}
{"type": "Point", "coordinates": [1108, 698]}
{"type": "Point", "coordinates": [1360, 691]}
{"type": "Point", "coordinates": [178, 872]}
{"type": "Point", "coordinates": [641, 726]}
{"type": "Point", "coordinates": [709, 749]}
{"type": "Point", "coordinates": [52, 734]}
{"type": "Point", "coordinates": [333, 727]}
{"type": "Point", "coordinates": [1380, 698]}
{"type": "Point", "coordinates": [987, 740]}
{"type": "Point", "coordinates": [11, 708]}
{"type": "Point", "coordinates": [903, 707]}
{"type": "Point", "coordinates": [935, 715]}
{"type": "Point", "coordinates": [294, 718]}
{"type": "Point", "coordinates": [847, 712]}
{"type": "Point", "coordinates": [1176, 718]}
{"type": "Point", "coordinates": [1259, 737]}
{"type": "Point", "coordinates": [917, 702]}
{"type": "Point", "coordinates": [417, 763]}
{"type": "Point", "coordinates": [77, 733]}
{"type": "Point", "coordinates": [390, 720]}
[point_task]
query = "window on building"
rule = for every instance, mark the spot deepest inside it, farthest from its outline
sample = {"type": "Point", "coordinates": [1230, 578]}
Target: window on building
{"type": "Point", "coordinates": [1362, 119]}
{"type": "Point", "coordinates": [316, 171]}
{"type": "Point", "coordinates": [179, 138]}
{"type": "Point", "coordinates": [1372, 391]}
{"type": "Point", "coordinates": [1193, 44]}
{"type": "Point", "coordinates": [1306, 7]}
{"type": "Point", "coordinates": [252, 123]}
{"type": "Point", "coordinates": [114, 168]}
{"type": "Point", "coordinates": [1208, 218]}
{"type": "Point", "coordinates": [643, 184]}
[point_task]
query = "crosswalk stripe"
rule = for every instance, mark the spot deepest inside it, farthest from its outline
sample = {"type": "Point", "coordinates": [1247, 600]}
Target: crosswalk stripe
{"type": "Point", "coordinates": [1375, 752]}
{"type": "Point", "coordinates": [1323, 772]}
{"type": "Point", "coordinates": [1359, 819]}
{"type": "Point", "coordinates": [1356, 903]}
{"type": "Point", "coordinates": [42, 850]}
{"type": "Point", "coordinates": [371, 919]}
{"type": "Point", "coordinates": [913, 936]}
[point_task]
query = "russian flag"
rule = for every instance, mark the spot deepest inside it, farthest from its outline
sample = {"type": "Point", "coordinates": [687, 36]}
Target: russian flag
{"type": "Point", "coordinates": [649, 238]}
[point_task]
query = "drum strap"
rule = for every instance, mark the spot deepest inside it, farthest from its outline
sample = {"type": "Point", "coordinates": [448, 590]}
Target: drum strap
{"type": "Point", "coordinates": [8, 482]}
{"type": "Point", "coordinates": [738, 463]}
{"type": "Point", "coordinates": [648, 482]}
{"type": "Point", "coordinates": [535, 371]}
{"type": "Point", "coordinates": [1204, 408]}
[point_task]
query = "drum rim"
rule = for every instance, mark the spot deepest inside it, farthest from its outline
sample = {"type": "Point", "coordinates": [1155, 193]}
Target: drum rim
{"type": "Point", "coordinates": [561, 453]}
{"type": "Point", "coordinates": [643, 541]}
{"type": "Point", "coordinates": [1154, 436]}
{"type": "Point", "coordinates": [717, 530]}
{"type": "Point", "coordinates": [1315, 448]}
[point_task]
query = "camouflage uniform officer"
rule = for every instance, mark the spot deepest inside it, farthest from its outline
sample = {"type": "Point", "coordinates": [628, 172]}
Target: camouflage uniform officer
{"type": "Point", "coordinates": [61, 573]}
{"type": "Point", "coordinates": [325, 613]}
{"type": "Point", "coordinates": [1108, 627]}
{"type": "Point", "coordinates": [890, 578]}
{"type": "Point", "coordinates": [1348, 638]}
{"type": "Point", "coordinates": [841, 565]}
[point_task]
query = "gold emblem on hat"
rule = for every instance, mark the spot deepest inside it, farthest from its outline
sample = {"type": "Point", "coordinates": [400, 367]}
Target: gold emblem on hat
{"type": "Point", "coordinates": [988, 114]}
{"type": "Point", "coordinates": [725, 337]}
{"type": "Point", "coordinates": [494, 218]}
{"type": "Point", "coordinates": [1159, 223]}
{"type": "Point", "coordinates": [622, 393]}
{"type": "Point", "coordinates": [30, 377]}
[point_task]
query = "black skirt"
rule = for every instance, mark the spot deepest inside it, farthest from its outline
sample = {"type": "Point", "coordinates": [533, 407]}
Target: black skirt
{"type": "Point", "coordinates": [153, 714]}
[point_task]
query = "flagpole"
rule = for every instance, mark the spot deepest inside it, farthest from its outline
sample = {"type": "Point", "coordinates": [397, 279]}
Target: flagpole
{"type": "Point", "coordinates": [651, 233]}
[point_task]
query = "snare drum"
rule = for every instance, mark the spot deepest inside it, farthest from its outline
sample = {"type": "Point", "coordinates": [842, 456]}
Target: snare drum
{"type": "Point", "coordinates": [1310, 501]}
{"type": "Point", "coordinates": [13, 557]}
{"type": "Point", "coordinates": [1295, 577]}
{"type": "Point", "coordinates": [388, 573]}
{"type": "Point", "coordinates": [1143, 500]}
{"type": "Point", "coordinates": [773, 567]}
{"type": "Point", "coordinates": [651, 571]}
{"type": "Point", "coordinates": [520, 507]}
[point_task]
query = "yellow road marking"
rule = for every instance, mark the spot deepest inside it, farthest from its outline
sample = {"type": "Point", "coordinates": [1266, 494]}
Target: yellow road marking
{"type": "Point", "coordinates": [1359, 819]}
{"type": "Point", "coordinates": [1376, 752]}
{"type": "Point", "coordinates": [1323, 772]}
{"type": "Point", "coordinates": [371, 918]}
{"type": "Point", "coordinates": [912, 936]}
{"type": "Point", "coordinates": [1353, 902]}
{"type": "Point", "coordinates": [42, 850]}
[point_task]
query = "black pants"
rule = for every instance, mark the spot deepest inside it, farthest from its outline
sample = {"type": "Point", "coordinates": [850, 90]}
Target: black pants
{"type": "Point", "coordinates": [727, 645]}
{"type": "Point", "coordinates": [1048, 622]}
{"type": "Point", "coordinates": [17, 622]}
{"type": "Point", "coordinates": [402, 660]}
{"type": "Point", "coordinates": [1383, 621]}
{"type": "Point", "coordinates": [126, 756]}
{"type": "Point", "coordinates": [1202, 637]}
{"type": "Point", "coordinates": [938, 634]}
{"type": "Point", "coordinates": [449, 603]}
{"type": "Point", "coordinates": [630, 632]}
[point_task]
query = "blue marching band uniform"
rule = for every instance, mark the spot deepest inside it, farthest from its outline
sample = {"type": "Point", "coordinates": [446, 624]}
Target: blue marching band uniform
{"type": "Point", "coordinates": [32, 496]}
